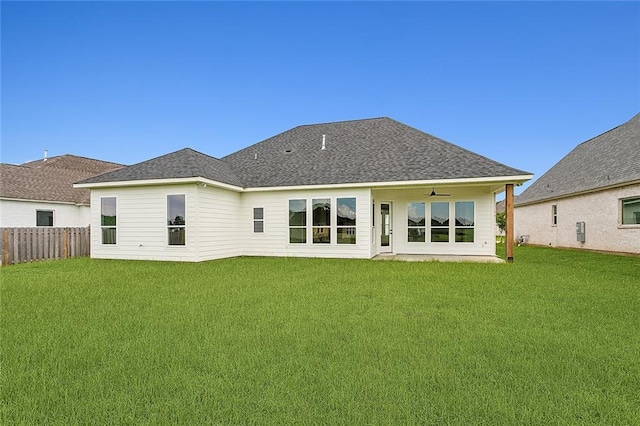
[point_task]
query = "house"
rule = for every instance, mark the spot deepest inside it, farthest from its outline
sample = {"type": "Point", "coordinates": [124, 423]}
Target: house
{"type": "Point", "coordinates": [591, 198]}
{"type": "Point", "coordinates": [350, 189]}
{"type": "Point", "coordinates": [41, 193]}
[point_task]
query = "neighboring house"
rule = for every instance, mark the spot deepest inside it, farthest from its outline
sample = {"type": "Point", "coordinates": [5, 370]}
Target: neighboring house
{"type": "Point", "coordinates": [592, 194]}
{"type": "Point", "coordinates": [41, 193]}
{"type": "Point", "coordinates": [346, 189]}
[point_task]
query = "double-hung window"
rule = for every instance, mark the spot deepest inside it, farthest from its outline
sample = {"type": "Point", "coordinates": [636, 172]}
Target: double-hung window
{"type": "Point", "coordinates": [416, 223]}
{"type": "Point", "coordinates": [440, 222]}
{"type": "Point", "coordinates": [108, 220]}
{"type": "Point", "coordinates": [297, 221]}
{"type": "Point", "coordinates": [346, 220]}
{"type": "Point", "coordinates": [258, 220]}
{"type": "Point", "coordinates": [465, 221]}
{"type": "Point", "coordinates": [321, 221]}
{"type": "Point", "coordinates": [176, 220]}
{"type": "Point", "coordinates": [554, 215]}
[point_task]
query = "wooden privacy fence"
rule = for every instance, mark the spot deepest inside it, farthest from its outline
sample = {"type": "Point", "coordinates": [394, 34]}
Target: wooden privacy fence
{"type": "Point", "coordinates": [19, 245]}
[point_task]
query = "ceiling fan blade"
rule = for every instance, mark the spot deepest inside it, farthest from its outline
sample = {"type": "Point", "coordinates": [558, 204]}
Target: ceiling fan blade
{"type": "Point", "coordinates": [435, 194]}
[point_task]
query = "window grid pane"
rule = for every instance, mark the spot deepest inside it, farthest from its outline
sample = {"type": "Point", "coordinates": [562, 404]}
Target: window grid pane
{"type": "Point", "coordinates": [346, 235]}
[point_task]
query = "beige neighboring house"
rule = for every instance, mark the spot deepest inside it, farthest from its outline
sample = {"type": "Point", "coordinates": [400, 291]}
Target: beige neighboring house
{"type": "Point", "coordinates": [590, 199]}
{"type": "Point", "coordinates": [41, 193]}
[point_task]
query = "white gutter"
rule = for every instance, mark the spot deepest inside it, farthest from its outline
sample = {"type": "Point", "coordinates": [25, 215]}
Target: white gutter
{"type": "Point", "coordinates": [157, 182]}
{"type": "Point", "coordinates": [29, 200]}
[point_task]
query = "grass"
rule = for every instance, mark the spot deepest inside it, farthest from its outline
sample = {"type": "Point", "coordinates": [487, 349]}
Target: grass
{"type": "Point", "coordinates": [550, 339]}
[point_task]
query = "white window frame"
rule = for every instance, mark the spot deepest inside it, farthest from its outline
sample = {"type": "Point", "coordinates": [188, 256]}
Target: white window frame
{"type": "Point", "coordinates": [306, 219]}
{"type": "Point", "coordinates": [424, 227]}
{"type": "Point", "coordinates": [354, 227]}
{"type": "Point", "coordinates": [554, 215]}
{"type": "Point", "coordinates": [103, 227]}
{"type": "Point", "coordinates": [256, 220]}
{"type": "Point", "coordinates": [448, 227]}
{"type": "Point", "coordinates": [455, 226]}
{"type": "Point", "coordinates": [184, 226]}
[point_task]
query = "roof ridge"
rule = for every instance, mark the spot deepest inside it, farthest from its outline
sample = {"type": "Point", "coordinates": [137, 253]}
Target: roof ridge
{"type": "Point", "coordinates": [345, 121]}
{"type": "Point", "coordinates": [57, 157]}
{"type": "Point", "coordinates": [610, 130]}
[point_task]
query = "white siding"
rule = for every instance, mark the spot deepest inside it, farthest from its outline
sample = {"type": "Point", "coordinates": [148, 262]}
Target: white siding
{"type": "Point", "coordinates": [218, 223]}
{"type": "Point", "coordinates": [19, 214]}
{"type": "Point", "coordinates": [599, 210]}
{"type": "Point", "coordinates": [142, 224]}
{"type": "Point", "coordinates": [275, 239]}
{"type": "Point", "coordinates": [484, 238]}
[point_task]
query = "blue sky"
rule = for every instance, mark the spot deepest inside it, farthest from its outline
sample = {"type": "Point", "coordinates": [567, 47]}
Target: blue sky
{"type": "Point", "coordinates": [521, 83]}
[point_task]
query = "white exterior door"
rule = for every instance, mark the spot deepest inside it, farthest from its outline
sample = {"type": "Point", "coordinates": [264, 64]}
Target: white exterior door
{"type": "Point", "coordinates": [386, 231]}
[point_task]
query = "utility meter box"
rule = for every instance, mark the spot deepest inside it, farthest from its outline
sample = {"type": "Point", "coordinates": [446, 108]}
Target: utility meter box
{"type": "Point", "coordinates": [580, 231]}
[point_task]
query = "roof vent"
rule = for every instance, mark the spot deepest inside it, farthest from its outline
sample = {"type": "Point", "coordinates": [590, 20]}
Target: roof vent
{"type": "Point", "coordinates": [288, 151]}
{"type": "Point", "coordinates": [324, 142]}
{"type": "Point", "coordinates": [255, 156]}
{"type": "Point", "coordinates": [46, 155]}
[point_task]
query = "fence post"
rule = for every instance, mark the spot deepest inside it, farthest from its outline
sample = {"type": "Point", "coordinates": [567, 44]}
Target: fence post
{"type": "Point", "coordinates": [5, 241]}
{"type": "Point", "coordinates": [65, 243]}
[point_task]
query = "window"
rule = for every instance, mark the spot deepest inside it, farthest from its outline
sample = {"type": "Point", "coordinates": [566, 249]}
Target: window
{"type": "Point", "coordinates": [321, 225]}
{"type": "Point", "coordinates": [631, 211]}
{"type": "Point", "coordinates": [464, 221]}
{"type": "Point", "coordinates": [258, 220]}
{"type": "Point", "coordinates": [108, 219]}
{"type": "Point", "coordinates": [44, 217]}
{"type": "Point", "coordinates": [297, 221]}
{"type": "Point", "coordinates": [346, 221]}
{"type": "Point", "coordinates": [554, 215]}
{"type": "Point", "coordinates": [176, 219]}
{"type": "Point", "coordinates": [440, 222]}
{"type": "Point", "coordinates": [416, 223]}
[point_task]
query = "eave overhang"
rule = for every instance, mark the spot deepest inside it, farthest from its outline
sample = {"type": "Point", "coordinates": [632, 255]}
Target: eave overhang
{"type": "Point", "coordinates": [575, 194]}
{"type": "Point", "coordinates": [496, 182]}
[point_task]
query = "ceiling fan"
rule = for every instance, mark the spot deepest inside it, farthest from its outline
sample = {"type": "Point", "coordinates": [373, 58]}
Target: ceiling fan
{"type": "Point", "coordinates": [435, 194]}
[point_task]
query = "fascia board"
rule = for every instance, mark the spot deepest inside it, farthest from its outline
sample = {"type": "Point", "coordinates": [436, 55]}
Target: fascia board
{"type": "Point", "coordinates": [411, 183]}
{"type": "Point", "coordinates": [158, 182]}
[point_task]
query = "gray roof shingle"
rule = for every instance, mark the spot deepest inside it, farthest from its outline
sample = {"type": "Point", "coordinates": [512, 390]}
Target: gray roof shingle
{"type": "Point", "coordinates": [51, 180]}
{"type": "Point", "coordinates": [358, 151]}
{"type": "Point", "coordinates": [370, 150]}
{"type": "Point", "coordinates": [612, 158]}
{"type": "Point", "coordinates": [185, 163]}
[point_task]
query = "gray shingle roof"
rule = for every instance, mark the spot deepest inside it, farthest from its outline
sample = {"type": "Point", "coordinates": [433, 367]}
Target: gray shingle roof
{"type": "Point", "coordinates": [371, 150]}
{"type": "Point", "coordinates": [359, 151]}
{"type": "Point", "coordinates": [185, 163]}
{"type": "Point", "coordinates": [612, 158]}
{"type": "Point", "coordinates": [51, 180]}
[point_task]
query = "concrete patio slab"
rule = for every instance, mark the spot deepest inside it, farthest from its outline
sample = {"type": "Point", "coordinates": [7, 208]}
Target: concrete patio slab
{"type": "Point", "coordinates": [438, 258]}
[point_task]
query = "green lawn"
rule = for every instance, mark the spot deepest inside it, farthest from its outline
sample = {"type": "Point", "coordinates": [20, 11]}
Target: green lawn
{"type": "Point", "coordinates": [553, 338]}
